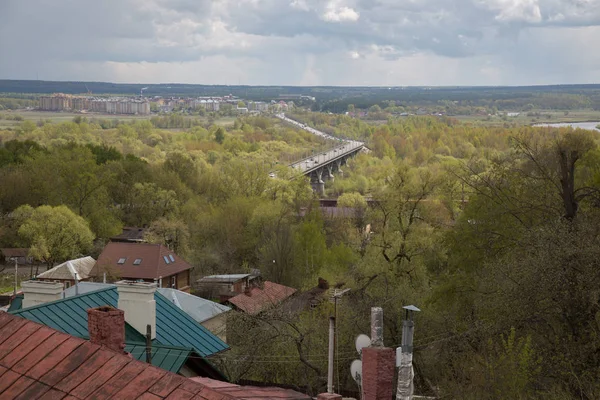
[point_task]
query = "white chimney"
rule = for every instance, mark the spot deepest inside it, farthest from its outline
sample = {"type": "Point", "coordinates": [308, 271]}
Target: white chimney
{"type": "Point", "coordinates": [136, 299]}
{"type": "Point", "coordinates": [40, 292]}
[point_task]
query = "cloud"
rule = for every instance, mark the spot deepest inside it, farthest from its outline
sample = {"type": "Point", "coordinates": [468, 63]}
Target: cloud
{"type": "Point", "coordinates": [336, 12]}
{"type": "Point", "coordinates": [337, 42]}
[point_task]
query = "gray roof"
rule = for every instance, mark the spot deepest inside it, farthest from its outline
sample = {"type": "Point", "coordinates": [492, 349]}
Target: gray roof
{"type": "Point", "coordinates": [69, 269]}
{"type": "Point", "coordinates": [196, 307]}
{"type": "Point", "coordinates": [85, 287]}
{"type": "Point", "coordinates": [231, 278]}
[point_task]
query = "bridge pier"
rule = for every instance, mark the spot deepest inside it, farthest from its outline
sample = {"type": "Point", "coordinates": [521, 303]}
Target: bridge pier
{"type": "Point", "coordinates": [330, 172]}
{"type": "Point", "coordinates": [338, 165]}
{"type": "Point", "coordinates": [316, 181]}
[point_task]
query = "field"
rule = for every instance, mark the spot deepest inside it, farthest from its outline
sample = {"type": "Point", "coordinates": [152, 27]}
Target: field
{"type": "Point", "coordinates": [533, 117]}
{"type": "Point", "coordinates": [55, 116]}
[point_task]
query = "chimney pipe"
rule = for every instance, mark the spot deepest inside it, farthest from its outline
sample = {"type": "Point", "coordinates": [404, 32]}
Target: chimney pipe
{"type": "Point", "coordinates": [106, 327]}
{"type": "Point", "coordinates": [376, 327]}
{"type": "Point", "coordinates": [136, 299]}
{"type": "Point", "coordinates": [378, 363]}
{"type": "Point", "coordinates": [40, 292]}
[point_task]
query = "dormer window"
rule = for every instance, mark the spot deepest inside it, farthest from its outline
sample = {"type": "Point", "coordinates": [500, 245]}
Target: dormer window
{"type": "Point", "coordinates": [122, 260]}
{"type": "Point", "coordinates": [137, 261]}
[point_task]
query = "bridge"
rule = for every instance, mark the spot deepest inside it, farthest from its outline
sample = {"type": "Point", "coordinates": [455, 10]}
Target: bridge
{"type": "Point", "coordinates": [321, 166]}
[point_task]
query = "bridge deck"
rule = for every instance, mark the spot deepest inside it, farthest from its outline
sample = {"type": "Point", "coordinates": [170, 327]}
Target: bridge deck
{"type": "Point", "coordinates": [319, 160]}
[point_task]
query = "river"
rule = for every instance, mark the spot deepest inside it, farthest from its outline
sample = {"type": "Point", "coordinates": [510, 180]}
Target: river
{"type": "Point", "coordinates": [582, 125]}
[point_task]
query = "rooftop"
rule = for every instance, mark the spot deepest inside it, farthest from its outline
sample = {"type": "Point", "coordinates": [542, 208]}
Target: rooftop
{"type": "Point", "coordinates": [139, 261]}
{"type": "Point", "coordinates": [173, 326]}
{"type": "Point", "coordinates": [130, 234]}
{"type": "Point", "coordinates": [259, 299]}
{"type": "Point", "coordinates": [38, 362]}
{"type": "Point", "coordinates": [67, 270]}
{"type": "Point", "coordinates": [15, 252]}
{"type": "Point", "coordinates": [198, 308]}
{"type": "Point", "coordinates": [231, 278]}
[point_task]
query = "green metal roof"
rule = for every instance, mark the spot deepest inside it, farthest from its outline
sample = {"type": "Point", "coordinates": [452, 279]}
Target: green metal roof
{"type": "Point", "coordinates": [169, 358]}
{"type": "Point", "coordinates": [173, 326]}
{"type": "Point", "coordinates": [16, 303]}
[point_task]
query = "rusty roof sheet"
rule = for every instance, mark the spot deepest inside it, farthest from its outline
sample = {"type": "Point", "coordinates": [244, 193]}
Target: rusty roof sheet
{"type": "Point", "coordinates": [37, 362]}
{"type": "Point", "coordinates": [259, 299]}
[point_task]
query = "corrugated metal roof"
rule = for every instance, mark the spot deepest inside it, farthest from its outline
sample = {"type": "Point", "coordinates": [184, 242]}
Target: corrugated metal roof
{"type": "Point", "coordinates": [173, 326]}
{"type": "Point", "coordinates": [224, 278]}
{"type": "Point", "coordinates": [81, 266]}
{"type": "Point", "coordinates": [198, 308]}
{"type": "Point", "coordinates": [70, 315]}
{"type": "Point", "coordinates": [259, 299]}
{"type": "Point", "coordinates": [169, 358]}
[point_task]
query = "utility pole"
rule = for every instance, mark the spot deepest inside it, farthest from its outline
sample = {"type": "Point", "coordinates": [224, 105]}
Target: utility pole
{"type": "Point", "coordinates": [330, 358]}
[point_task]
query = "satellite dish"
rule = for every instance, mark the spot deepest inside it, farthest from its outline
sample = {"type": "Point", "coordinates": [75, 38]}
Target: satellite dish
{"type": "Point", "coordinates": [356, 371]}
{"type": "Point", "coordinates": [361, 341]}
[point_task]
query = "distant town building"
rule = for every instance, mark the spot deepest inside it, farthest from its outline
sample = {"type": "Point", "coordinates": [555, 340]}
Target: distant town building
{"type": "Point", "coordinates": [65, 102]}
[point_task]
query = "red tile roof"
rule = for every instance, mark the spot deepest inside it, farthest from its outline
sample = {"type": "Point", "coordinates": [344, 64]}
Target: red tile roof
{"type": "Point", "coordinates": [259, 299]}
{"type": "Point", "coordinates": [37, 362]}
{"type": "Point", "coordinates": [152, 256]}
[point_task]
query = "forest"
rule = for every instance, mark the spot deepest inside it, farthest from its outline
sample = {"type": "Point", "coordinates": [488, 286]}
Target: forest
{"type": "Point", "coordinates": [493, 232]}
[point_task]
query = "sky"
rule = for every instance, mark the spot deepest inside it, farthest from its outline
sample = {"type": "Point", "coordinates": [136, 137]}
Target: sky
{"type": "Point", "coordinates": [303, 42]}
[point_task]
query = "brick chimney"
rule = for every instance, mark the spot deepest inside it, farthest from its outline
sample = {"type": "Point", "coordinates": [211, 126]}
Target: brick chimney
{"type": "Point", "coordinates": [40, 292]}
{"type": "Point", "coordinates": [136, 299]}
{"type": "Point", "coordinates": [106, 327]}
{"type": "Point", "coordinates": [378, 363]}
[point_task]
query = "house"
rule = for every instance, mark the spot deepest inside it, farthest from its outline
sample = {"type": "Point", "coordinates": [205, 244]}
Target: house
{"type": "Point", "coordinates": [257, 299]}
{"type": "Point", "coordinates": [70, 272]}
{"type": "Point", "coordinates": [226, 286]}
{"type": "Point", "coordinates": [209, 314]}
{"type": "Point", "coordinates": [130, 234]}
{"type": "Point", "coordinates": [171, 328]}
{"type": "Point", "coordinates": [21, 255]}
{"type": "Point", "coordinates": [38, 362]}
{"type": "Point", "coordinates": [143, 261]}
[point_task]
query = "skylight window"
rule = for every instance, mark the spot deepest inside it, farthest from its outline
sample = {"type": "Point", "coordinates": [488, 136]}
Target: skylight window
{"type": "Point", "coordinates": [166, 259]}
{"type": "Point", "coordinates": [122, 260]}
{"type": "Point", "coordinates": [171, 257]}
{"type": "Point", "coordinates": [137, 261]}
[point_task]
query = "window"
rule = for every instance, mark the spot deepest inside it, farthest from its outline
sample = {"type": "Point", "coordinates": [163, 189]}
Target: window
{"type": "Point", "coordinates": [173, 281]}
{"type": "Point", "coordinates": [122, 260]}
{"type": "Point", "coordinates": [137, 261]}
{"type": "Point", "coordinates": [171, 257]}
{"type": "Point", "coordinates": [166, 259]}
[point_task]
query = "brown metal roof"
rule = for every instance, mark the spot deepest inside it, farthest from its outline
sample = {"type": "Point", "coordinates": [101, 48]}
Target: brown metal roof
{"type": "Point", "coordinates": [37, 362]}
{"type": "Point", "coordinates": [152, 265]}
{"type": "Point", "coordinates": [260, 299]}
{"type": "Point", "coordinates": [15, 252]}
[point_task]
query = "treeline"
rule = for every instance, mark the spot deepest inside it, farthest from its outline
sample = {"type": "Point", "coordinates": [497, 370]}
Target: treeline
{"type": "Point", "coordinates": [15, 103]}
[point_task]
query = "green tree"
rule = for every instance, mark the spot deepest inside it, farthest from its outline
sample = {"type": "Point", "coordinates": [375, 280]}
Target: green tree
{"type": "Point", "coordinates": [220, 135]}
{"type": "Point", "coordinates": [54, 234]}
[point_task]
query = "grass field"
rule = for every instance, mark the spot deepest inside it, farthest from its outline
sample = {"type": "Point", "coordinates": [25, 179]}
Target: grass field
{"type": "Point", "coordinates": [57, 117]}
